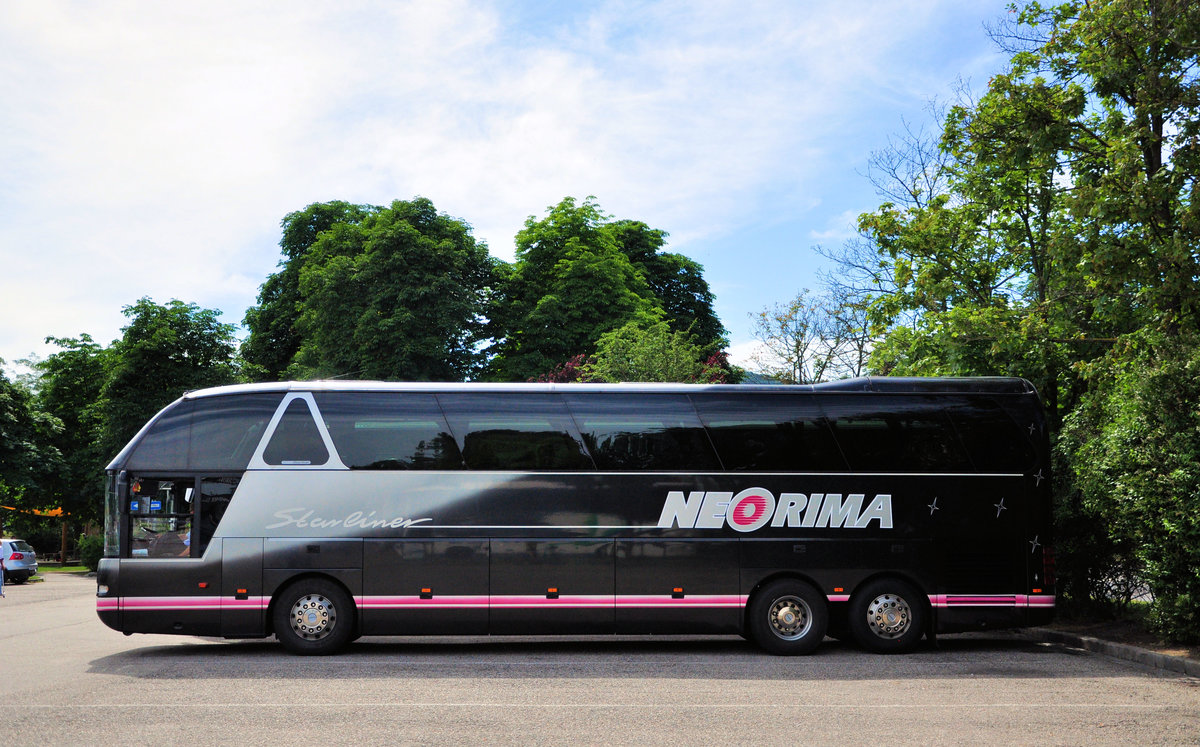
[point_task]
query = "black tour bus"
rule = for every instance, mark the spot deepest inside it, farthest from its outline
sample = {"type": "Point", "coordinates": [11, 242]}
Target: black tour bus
{"type": "Point", "coordinates": [878, 509]}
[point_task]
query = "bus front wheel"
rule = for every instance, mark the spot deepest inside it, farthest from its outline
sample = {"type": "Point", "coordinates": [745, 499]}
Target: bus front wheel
{"type": "Point", "coordinates": [788, 617]}
{"type": "Point", "coordinates": [313, 617]}
{"type": "Point", "coordinates": [887, 616]}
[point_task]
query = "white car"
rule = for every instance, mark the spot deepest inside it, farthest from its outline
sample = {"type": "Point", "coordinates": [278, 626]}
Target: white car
{"type": "Point", "coordinates": [20, 561]}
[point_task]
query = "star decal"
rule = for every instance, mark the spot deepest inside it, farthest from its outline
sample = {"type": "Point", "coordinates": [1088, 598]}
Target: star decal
{"type": "Point", "coordinates": [1032, 428]}
{"type": "Point", "coordinates": [1034, 544]}
{"type": "Point", "coordinates": [1039, 477]}
{"type": "Point", "coordinates": [1000, 508]}
{"type": "Point", "coordinates": [933, 506]}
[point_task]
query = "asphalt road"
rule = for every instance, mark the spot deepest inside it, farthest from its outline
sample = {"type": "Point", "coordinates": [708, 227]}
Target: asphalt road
{"type": "Point", "coordinates": [67, 679]}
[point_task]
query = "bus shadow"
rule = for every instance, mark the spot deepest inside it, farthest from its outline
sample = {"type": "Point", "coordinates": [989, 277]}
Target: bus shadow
{"type": "Point", "coordinates": [976, 655]}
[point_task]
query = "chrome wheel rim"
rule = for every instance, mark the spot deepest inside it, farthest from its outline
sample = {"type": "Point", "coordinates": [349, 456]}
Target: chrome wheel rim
{"type": "Point", "coordinates": [889, 616]}
{"type": "Point", "coordinates": [790, 618]}
{"type": "Point", "coordinates": [313, 617]}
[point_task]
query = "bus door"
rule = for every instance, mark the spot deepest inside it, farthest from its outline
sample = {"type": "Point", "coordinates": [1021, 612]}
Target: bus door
{"type": "Point", "coordinates": [173, 583]}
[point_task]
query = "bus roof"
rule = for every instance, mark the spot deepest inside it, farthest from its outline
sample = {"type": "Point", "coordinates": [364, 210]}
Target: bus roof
{"type": "Point", "coordinates": [864, 384]}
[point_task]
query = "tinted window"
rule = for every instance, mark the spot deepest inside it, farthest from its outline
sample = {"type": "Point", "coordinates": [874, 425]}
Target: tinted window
{"type": "Point", "coordinates": [160, 517]}
{"type": "Point", "coordinates": [994, 441]}
{"type": "Point", "coordinates": [210, 433]}
{"type": "Point", "coordinates": [769, 433]}
{"type": "Point", "coordinates": [498, 431]}
{"type": "Point", "coordinates": [389, 430]}
{"type": "Point", "coordinates": [296, 440]}
{"type": "Point", "coordinates": [895, 434]}
{"type": "Point", "coordinates": [655, 432]}
{"type": "Point", "coordinates": [215, 494]}
{"type": "Point", "coordinates": [226, 430]}
{"type": "Point", "coordinates": [165, 444]}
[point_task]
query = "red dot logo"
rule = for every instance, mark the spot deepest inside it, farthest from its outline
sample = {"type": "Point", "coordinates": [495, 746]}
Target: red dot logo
{"type": "Point", "coordinates": [750, 509]}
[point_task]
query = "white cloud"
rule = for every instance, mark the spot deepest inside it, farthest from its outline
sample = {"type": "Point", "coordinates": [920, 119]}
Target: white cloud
{"type": "Point", "coordinates": [839, 227]}
{"type": "Point", "coordinates": [152, 148]}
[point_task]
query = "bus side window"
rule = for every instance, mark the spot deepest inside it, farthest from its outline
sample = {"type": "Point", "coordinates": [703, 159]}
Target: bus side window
{"type": "Point", "coordinates": [296, 440]}
{"type": "Point", "coordinates": [904, 434]}
{"type": "Point", "coordinates": [642, 432]}
{"type": "Point", "coordinates": [226, 430]}
{"type": "Point", "coordinates": [504, 432]}
{"type": "Point", "coordinates": [389, 430]}
{"type": "Point", "coordinates": [995, 442]}
{"type": "Point", "coordinates": [215, 494]}
{"type": "Point", "coordinates": [776, 433]}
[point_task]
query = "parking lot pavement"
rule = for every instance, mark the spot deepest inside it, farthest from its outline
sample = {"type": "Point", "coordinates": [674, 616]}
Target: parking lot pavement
{"type": "Point", "coordinates": [69, 679]}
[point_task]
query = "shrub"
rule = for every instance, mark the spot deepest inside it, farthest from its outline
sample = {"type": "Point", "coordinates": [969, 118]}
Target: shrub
{"type": "Point", "coordinates": [1135, 448]}
{"type": "Point", "coordinates": [91, 549]}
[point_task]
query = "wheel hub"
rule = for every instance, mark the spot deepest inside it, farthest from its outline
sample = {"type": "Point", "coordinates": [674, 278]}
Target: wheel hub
{"type": "Point", "coordinates": [889, 616]}
{"type": "Point", "coordinates": [313, 617]}
{"type": "Point", "coordinates": [790, 618]}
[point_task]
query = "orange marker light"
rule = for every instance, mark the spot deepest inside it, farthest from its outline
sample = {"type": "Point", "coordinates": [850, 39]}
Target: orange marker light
{"type": "Point", "coordinates": [552, 591]}
{"type": "Point", "coordinates": [1037, 591]}
{"type": "Point", "coordinates": [838, 589]}
{"type": "Point", "coordinates": [203, 584]}
{"type": "Point", "coordinates": [241, 591]}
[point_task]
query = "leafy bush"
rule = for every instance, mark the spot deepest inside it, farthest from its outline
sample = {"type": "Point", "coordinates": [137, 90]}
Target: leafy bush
{"type": "Point", "coordinates": [91, 549]}
{"type": "Point", "coordinates": [1135, 448]}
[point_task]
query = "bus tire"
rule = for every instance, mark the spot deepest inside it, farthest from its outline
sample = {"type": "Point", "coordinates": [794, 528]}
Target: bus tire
{"type": "Point", "coordinates": [788, 617]}
{"type": "Point", "coordinates": [313, 617]}
{"type": "Point", "coordinates": [887, 616]}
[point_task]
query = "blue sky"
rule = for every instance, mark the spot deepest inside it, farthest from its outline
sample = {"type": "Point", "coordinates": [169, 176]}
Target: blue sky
{"type": "Point", "coordinates": [151, 149]}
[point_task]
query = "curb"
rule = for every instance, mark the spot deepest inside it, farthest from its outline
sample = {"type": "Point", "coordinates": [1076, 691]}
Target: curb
{"type": "Point", "coordinates": [1145, 657]}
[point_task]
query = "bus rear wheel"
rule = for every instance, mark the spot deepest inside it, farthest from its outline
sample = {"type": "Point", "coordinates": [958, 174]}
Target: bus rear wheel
{"type": "Point", "coordinates": [887, 616]}
{"type": "Point", "coordinates": [788, 618]}
{"type": "Point", "coordinates": [313, 617]}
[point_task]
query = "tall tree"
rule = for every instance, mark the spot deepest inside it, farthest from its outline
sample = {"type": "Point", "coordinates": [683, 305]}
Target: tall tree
{"type": "Point", "coordinates": [27, 452]}
{"type": "Point", "coordinates": [1063, 244]}
{"type": "Point", "coordinates": [69, 388]}
{"type": "Point", "coordinates": [398, 295]}
{"type": "Point", "coordinates": [274, 339]}
{"type": "Point", "coordinates": [1132, 144]}
{"type": "Point", "coordinates": [579, 274]}
{"type": "Point", "coordinates": [675, 280]}
{"type": "Point", "coordinates": [570, 284]}
{"type": "Point", "coordinates": [164, 351]}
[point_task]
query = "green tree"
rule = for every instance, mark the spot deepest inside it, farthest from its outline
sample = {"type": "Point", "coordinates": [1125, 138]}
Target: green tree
{"type": "Point", "coordinates": [579, 274]}
{"type": "Point", "coordinates": [570, 284]}
{"type": "Point", "coordinates": [27, 452]}
{"type": "Point", "coordinates": [1134, 446]}
{"type": "Point", "coordinates": [164, 351]}
{"type": "Point", "coordinates": [274, 338]}
{"type": "Point", "coordinates": [646, 349]}
{"type": "Point", "coordinates": [1054, 235]}
{"type": "Point", "coordinates": [801, 342]}
{"type": "Point", "coordinates": [675, 280]}
{"type": "Point", "coordinates": [1131, 145]}
{"type": "Point", "coordinates": [69, 388]}
{"type": "Point", "coordinates": [398, 295]}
